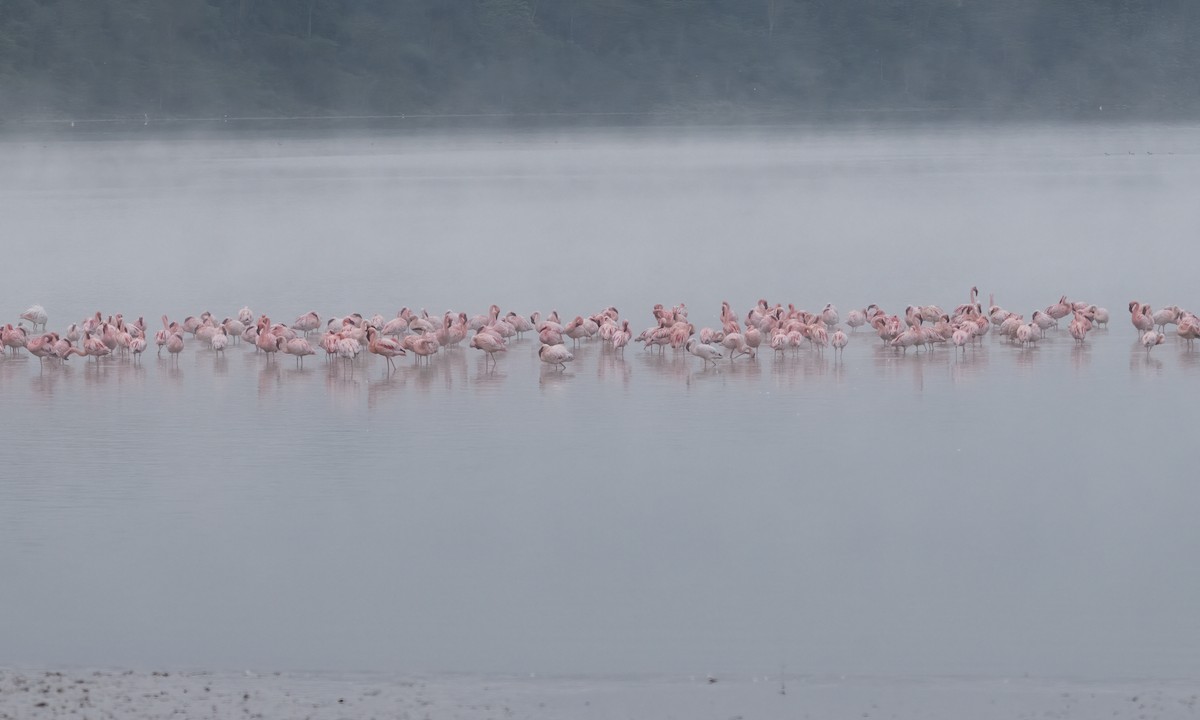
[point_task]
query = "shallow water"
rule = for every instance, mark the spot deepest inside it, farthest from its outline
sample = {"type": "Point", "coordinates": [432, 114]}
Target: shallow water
{"type": "Point", "coordinates": [1007, 512]}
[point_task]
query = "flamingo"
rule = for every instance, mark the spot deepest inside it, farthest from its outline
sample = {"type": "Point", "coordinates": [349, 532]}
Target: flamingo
{"type": "Point", "coordinates": [1044, 321]}
{"type": "Point", "coordinates": [265, 340]}
{"type": "Point", "coordinates": [1060, 309]}
{"type": "Point", "coordinates": [298, 347]}
{"type": "Point", "coordinates": [519, 323]}
{"type": "Point", "coordinates": [489, 344]}
{"type": "Point", "coordinates": [911, 337]}
{"type": "Point", "coordinates": [704, 351]}
{"type": "Point", "coordinates": [830, 315]}
{"type": "Point", "coordinates": [818, 336]}
{"type": "Point", "coordinates": [36, 314]}
{"type": "Point", "coordinates": [63, 349]}
{"type": "Point", "coordinates": [205, 332]}
{"type": "Point", "coordinates": [960, 338]}
{"type": "Point", "coordinates": [1139, 315]}
{"type": "Point", "coordinates": [424, 347]}
{"type": "Point", "coordinates": [557, 355]}
{"type": "Point", "coordinates": [575, 330]}
{"type": "Point", "coordinates": [1079, 327]}
{"type": "Point", "coordinates": [736, 345]}
{"type": "Point", "coordinates": [41, 346]}
{"type": "Point", "coordinates": [1189, 329]}
{"type": "Point", "coordinates": [839, 342]}
{"type": "Point", "coordinates": [307, 323]}
{"type": "Point", "coordinates": [620, 338]}
{"type": "Point", "coordinates": [94, 347]}
{"type": "Point", "coordinates": [1166, 316]}
{"type": "Point", "coordinates": [386, 348]}
{"type": "Point", "coordinates": [174, 345]}
{"type": "Point", "coordinates": [396, 326]}
{"type": "Point", "coordinates": [1151, 338]}
{"type": "Point", "coordinates": [348, 348]}
{"type": "Point", "coordinates": [137, 346]}
{"type": "Point", "coordinates": [219, 340]}
{"type": "Point", "coordinates": [13, 337]}
{"type": "Point", "coordinates": [548, 335]}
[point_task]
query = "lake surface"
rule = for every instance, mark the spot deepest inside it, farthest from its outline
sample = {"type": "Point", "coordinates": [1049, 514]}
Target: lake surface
{"type": "Point", "coordinates": [1008, 512]}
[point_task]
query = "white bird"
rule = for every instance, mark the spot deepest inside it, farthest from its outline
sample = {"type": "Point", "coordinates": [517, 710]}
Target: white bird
{"type": "Point", "coordinates": [557, 355]}
{"type": "Point", "coordinates": [704, 351]}
{"type": "Point", "coordinates": [1151, 338]}
{"type": "Point", "coordinates": [36, 314]}
{"type": "Point", "coordinates": [830, 315]}
{"type": "Point", "coordinates": [219, 340]}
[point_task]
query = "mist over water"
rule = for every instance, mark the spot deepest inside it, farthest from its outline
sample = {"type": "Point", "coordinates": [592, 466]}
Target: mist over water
{"type": "Point", "coordinates": [1009, 512]}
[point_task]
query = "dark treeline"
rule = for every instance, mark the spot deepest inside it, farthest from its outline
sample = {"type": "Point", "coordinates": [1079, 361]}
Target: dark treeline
{"type": "Point", "coordinates": [204, 58]}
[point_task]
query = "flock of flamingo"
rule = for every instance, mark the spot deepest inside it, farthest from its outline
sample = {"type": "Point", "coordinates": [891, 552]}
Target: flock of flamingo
{"type": "Point", "coordinates": [781, 329]}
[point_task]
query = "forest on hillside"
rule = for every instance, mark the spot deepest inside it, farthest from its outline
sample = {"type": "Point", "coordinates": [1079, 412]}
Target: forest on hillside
{"type": "Point", "coordinates": [209, 58]}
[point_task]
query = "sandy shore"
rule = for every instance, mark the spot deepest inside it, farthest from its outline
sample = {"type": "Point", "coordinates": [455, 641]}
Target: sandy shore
{"type": "Point", "coordinates": [167, 694]}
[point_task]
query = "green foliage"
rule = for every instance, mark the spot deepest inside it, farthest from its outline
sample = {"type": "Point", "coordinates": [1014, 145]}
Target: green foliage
{"type": "Point", "coordinates": [207, 58]}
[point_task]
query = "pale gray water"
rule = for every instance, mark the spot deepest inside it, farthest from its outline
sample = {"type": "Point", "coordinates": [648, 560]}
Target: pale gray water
{"type": "Point", "coordinates": [1012, 512]}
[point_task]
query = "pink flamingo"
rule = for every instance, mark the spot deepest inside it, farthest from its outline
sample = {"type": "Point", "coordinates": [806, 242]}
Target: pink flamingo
{"type": "Point", "coordinates": [1139, 315]}
{"type": "Point", "coordinates": [307, 323]}
{"type": "Point", "coordinates": [839, 342]}
{"type": "Point", "coordinates": [299, 348]}
{"type": "Point", "coordinates": [519, 322]}
{"type": "Point", "coordinates": [386, 348]}
{"type": "Point", "coordinates": [911, 337]}
{"type": "Point", "coordinates": [63, 349]}
{"type": "Point", "coordinates": [175, 345]}
{"type": "Point", "coordinates": [550, 336]}
{"type": "Point", "coordinates": [1060, 309]}
{"type": "Point", "coordinates": [557, 355]}
{"type": "Point", "coordinates": [1079, 327]}
{"type": "Point", "coordinates": [575, 330]}
{"type": "Point", "coordinates": [621, 338]}
{"type": "Point", "coordinates": [14, 338]}
{"type": "Point", "coordinates": [137, 346]}
{"type": "Point", "coordinates": [489, 344]}
{"type": "Point", "coordinates": [94, 347]}
{"type": "Point", "coordinates": [41, 346]}
{"type": "Point", "coordinates": [735, 343]}
{"type": "Point", "coordinates": [266, 339]}
{"type": "Point", "coordinates": [960, 338]}
{"type": "Point", "coordinates": [424, 347]}
{"type": "Point", "coordinates": [1188, 329]}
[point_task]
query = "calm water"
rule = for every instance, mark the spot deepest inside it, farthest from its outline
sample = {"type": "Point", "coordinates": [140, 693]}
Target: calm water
{"type": "Point", "coordinates": [1009, 512]}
